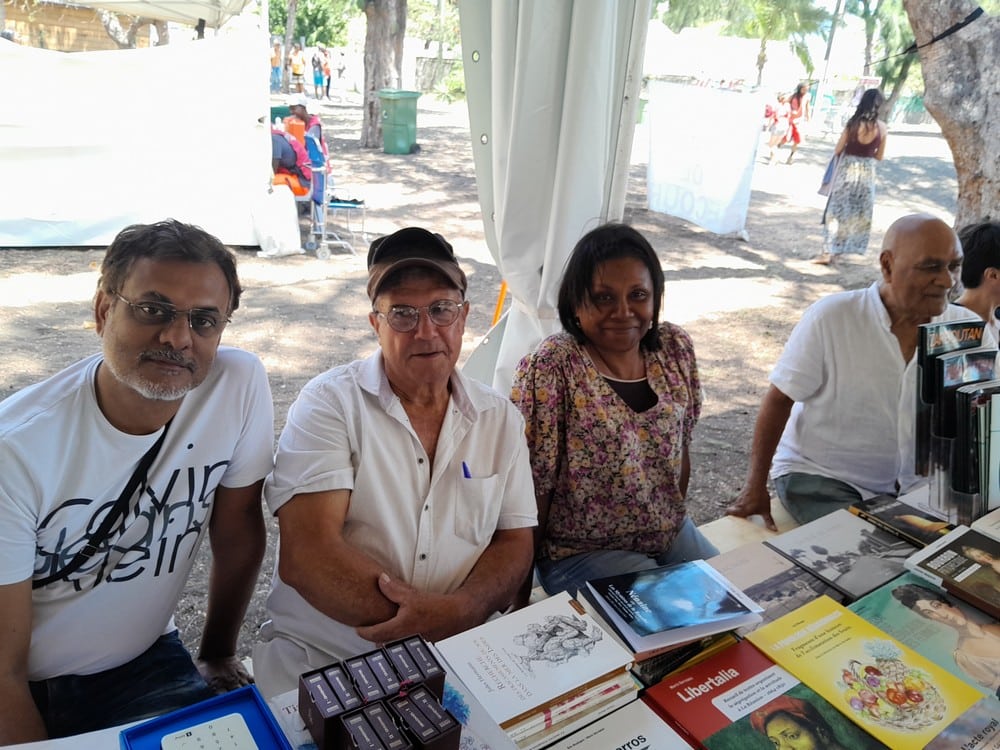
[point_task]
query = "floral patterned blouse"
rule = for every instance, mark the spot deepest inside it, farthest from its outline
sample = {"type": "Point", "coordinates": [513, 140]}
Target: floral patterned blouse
{"type": "Point", "coordinates": [613, 475]}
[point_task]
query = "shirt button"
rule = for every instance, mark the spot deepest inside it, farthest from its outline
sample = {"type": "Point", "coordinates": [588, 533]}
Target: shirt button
{"type": "Point", "coordinates": [427, 507]}
{"type": "Point", "coordinates": [423, 557]}
{"type": "Point", "coordinates": [420, 460]}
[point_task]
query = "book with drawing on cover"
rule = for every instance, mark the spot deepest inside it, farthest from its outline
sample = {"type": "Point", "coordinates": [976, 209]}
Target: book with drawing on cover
{"type": "Point", "coordinates": [949, 632]}
{"type": "Point", "coordinates": [672, 604]}
{"type": "Point", "coordinates": [933, 340]}
{"type": "Point", "coordinates": [740, 700]}
{"type": "Point", "coordinates": [845, 551]}
{"type": "Point", "coordinates": [526, 661]}
{"type": "Point", "coordinates": [770, 579]}
{"type": "Point", "coordinates": [916, 526]}
{"type": "Point", "coordinates": [882, 685]}
{"type": "Point", "coordinates": [966, 564]}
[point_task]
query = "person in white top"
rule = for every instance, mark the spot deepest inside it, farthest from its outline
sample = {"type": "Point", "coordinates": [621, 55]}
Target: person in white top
{"type": "Point", "coordinates": [981, 272]}
{"type": "Point", "coordinates": [837, 422]}
{"type": "Point", "coordinates": [402, 489]}
{"type": "Point", "coordinates": [113, 471]}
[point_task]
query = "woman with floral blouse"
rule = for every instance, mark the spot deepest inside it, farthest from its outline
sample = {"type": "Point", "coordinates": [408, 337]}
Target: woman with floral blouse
{"type": "Point", "coordinates": [610, 404]}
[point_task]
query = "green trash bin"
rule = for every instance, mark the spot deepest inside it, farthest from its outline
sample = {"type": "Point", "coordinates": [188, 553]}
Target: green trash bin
{"type": "Point", "coordinates": [399, 120]}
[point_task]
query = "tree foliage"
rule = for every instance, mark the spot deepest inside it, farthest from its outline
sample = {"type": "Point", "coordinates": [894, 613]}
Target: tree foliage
{"type": "Point", "coordinates": [434, 21]}
{"type": "Point", "coordinates": [767, 20]}
{"type": "Point", "coordinates": [317, 21]}
{"type": "Point", "coordinates": [887, 34]}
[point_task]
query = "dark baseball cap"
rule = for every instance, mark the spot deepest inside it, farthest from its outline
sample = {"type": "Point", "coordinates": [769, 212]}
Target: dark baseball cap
{"type": "Point", "coordinates": [410, 247]}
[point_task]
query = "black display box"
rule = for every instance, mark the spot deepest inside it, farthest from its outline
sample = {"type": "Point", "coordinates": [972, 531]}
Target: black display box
{"type": "Point", "coordinates": [385, 699]}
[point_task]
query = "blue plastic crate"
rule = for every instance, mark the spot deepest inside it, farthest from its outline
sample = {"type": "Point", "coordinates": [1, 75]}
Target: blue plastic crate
{"type": "Point", "coordinates": [247, 701]}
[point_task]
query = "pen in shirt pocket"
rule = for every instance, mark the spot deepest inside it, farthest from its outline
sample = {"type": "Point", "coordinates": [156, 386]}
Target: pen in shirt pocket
{"type": "Point", "coordinates": [465, 471]}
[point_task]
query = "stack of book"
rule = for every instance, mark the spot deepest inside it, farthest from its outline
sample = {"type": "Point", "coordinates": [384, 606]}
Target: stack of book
{"type": "Point", "coordinates": [956, 388]}
{"type": "Point", "coordinates": [541, 672]}
{"type": "Point", "coordinates": [966, 563]}
{"type": "Point", "coordinates": [669, 615]}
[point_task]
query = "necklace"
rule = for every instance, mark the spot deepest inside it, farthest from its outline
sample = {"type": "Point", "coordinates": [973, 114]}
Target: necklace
{"type": "Point", "coordinates": [632, 371]}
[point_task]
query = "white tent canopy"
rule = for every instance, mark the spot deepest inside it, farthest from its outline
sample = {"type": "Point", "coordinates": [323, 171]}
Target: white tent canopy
{"type": "Point", "coordinates": [552, 90]}
{"type": "Point", "coordinates": [214, 12]}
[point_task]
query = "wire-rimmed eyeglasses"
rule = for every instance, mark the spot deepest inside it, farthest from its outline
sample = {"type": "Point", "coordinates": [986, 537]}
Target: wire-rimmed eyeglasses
{"type": "Point", "coordinates": [404, 318]}
{"type": "Point", "coordinates": [206, 323]}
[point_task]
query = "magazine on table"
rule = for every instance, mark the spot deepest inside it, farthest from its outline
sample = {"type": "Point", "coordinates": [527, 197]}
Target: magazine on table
{"type": "Point", "coordinates": [845, 551]}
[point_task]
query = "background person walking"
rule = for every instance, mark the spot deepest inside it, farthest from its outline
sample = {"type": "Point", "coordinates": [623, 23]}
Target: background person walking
{"type": "Point", "coordinates": [847, 220]}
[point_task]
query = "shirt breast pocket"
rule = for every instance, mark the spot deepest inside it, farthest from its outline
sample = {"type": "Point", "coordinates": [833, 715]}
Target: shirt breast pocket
{"type": "Point", "coordinates": [477, 508]}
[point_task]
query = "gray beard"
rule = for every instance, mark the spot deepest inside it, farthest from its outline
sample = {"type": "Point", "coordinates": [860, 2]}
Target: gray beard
{"type": "Point", "coordinates": [146, 389]}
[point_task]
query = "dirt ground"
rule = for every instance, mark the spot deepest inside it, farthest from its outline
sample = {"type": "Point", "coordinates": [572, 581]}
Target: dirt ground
{"type": "Point", "coordinates": [302, 315]}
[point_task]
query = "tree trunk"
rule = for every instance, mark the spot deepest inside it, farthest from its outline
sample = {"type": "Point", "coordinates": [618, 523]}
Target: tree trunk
{"type": "Point", "coordinates": [380, 51]}
{"type": "Point", "coordinates": [897, 87]}
{"type": "Point", "coordinates": [398, 35]}
{"type": "Point", "coordinates": [286, 71]}
{"type": "Point", "coordinates": [761, 60]}
{"type": "Point", "coordinates": [868, 16]}
{"type": "Point", "coordinates": [162, 33]}
{"type": "Point", "coordinates": [962, 92]}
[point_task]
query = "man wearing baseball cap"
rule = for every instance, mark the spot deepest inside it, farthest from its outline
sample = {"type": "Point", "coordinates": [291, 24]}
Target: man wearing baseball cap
{"type": "Point", "coordinates": [303, 108]}
{"type": "Point", "coordinates": [402, 489]}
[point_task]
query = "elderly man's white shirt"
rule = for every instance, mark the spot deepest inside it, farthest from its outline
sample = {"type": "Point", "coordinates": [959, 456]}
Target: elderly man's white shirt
{"type": "Point", "coordinates": [427, 525]}
{"type": "Point", "coordinates": [855, 397]}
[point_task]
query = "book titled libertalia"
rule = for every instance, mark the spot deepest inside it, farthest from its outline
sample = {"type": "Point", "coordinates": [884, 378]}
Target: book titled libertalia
{"type": "Point", "coordinates": [672, 604]}
{"type": "Point", "coordinates": [728, 702]}
{"type": "Point", "coordinates": [888, 689]}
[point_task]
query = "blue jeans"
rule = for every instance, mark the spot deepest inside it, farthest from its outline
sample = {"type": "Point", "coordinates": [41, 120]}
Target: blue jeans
{"type": "Point", "coordinates": [572, 573]}
{"type": "Point", "coordinates": [807, 497]}
{"type": "Point", "coordinates": [275, 80]}
{"type": "Point", "coordinates": [161, 679]}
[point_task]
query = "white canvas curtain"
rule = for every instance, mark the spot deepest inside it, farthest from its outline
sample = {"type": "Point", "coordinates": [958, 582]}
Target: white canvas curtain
{"type": "Point", "coordinates": [552, 91]}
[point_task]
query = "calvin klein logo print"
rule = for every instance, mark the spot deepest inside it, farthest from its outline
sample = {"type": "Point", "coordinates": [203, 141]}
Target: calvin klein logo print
{"type": "Point", "coordinates": [160, 530]}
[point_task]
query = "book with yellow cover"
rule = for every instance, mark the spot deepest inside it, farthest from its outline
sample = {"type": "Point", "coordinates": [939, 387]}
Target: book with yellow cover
{"type": "Point", "coordinates": [887, 688]}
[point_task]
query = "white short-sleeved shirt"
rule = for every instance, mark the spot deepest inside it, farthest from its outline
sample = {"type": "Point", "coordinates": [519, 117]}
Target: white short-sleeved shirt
{"type": "Point", "coordinates": [855, 397]}
{"type": "Point", "coordinates": [64, 465]}
{"type": "Point", "coordinates": [348, 430]}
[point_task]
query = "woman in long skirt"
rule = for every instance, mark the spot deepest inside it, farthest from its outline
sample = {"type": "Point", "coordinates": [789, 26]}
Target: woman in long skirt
{"type": "Point", "coordinates": [848, 217]}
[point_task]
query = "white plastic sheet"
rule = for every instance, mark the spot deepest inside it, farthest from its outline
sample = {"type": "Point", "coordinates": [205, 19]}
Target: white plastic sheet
{"type": "Point", "coordinates": [93, 141]}
{"type": "Point", "coordinates": [702, 148]}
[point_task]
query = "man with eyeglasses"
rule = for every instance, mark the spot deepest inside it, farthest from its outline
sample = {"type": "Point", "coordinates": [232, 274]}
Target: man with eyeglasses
{"type": "Point", "coordinates": [113, 471]}
{"type": "Point", "coordinates": [402, 489]}
{"type": "Point", "coordinates": [837, 422]}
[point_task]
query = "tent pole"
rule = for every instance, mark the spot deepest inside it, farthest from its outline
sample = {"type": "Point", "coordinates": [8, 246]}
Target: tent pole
{"type": "Point", "coordinates": [629, 109]}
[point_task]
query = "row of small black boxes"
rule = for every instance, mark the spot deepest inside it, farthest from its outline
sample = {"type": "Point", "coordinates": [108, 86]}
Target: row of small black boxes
{"type": "Point", "coordinates": [386, 699]}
